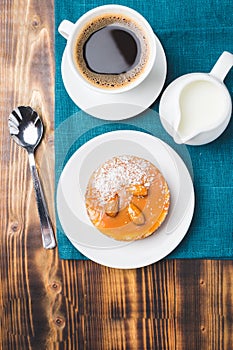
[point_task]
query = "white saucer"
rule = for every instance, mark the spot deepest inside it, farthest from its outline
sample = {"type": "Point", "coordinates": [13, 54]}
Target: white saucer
{"type": "Point", "coordinates": [71, 206]}
{"type": "Point", "coordinates": [122, 105]}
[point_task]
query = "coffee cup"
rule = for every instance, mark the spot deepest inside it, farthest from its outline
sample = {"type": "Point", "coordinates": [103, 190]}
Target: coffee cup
{"type": "Point", "coordinates": [111, 48]}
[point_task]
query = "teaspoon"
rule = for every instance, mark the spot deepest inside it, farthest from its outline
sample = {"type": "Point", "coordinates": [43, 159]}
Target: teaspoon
{"type": "Point", "coordinates": [26, 129]}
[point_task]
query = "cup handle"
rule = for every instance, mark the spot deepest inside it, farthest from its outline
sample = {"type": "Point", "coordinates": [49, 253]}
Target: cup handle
{"type": "Point", "coordinates": [222, 66]}
{"type": "Point", "coordinates": [65, 28]}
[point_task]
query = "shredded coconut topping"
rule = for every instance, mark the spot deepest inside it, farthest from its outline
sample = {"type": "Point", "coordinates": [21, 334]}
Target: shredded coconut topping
{"type": "Point", "coordinates": [118, 174]}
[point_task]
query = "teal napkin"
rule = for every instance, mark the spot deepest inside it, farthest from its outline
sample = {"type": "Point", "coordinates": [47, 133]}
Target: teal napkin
{"type": "Point", "coordinates": [193, 34]}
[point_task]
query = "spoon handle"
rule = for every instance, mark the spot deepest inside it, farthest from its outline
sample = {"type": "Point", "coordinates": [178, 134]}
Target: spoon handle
{"type": "Point", "coordinates": [48, 238]}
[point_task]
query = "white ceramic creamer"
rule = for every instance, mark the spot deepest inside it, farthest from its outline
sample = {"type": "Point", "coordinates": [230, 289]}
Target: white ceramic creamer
{"type": "Point", "coordinates": [196, 108]}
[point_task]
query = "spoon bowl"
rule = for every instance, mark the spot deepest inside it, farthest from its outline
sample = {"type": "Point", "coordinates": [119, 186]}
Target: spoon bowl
{"type": "Point", "coordinates": [26, 129]}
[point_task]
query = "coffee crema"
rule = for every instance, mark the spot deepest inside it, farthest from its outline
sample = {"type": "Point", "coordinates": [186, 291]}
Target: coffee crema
{"type": "Point", "coordinates": [111, 51]}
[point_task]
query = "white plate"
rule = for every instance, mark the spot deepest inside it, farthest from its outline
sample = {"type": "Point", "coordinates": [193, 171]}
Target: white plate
{"type": "Point", "coordinates": [121, 105]}
{"type": "Point", "coordinates": [71, 205]}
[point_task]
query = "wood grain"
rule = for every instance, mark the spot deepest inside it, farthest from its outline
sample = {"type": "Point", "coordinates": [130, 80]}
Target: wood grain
{"type": "Point", "coordinates": [46, 303]}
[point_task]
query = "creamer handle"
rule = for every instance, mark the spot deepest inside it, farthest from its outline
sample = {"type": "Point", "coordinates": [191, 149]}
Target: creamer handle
{"type": "Point", "coordinates": [222, 66]}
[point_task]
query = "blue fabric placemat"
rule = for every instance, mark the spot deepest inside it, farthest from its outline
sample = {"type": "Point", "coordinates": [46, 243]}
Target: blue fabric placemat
{"type": "Point", "coordinates": [193, 34]}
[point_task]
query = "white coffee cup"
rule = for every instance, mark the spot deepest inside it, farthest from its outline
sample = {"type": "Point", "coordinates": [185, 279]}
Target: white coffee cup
{"type": "Point", "coordinates": [70, 31]}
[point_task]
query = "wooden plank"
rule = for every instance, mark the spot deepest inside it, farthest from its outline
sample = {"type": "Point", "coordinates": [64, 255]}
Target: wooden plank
{"type": "Point", "coordinates": [27, 78]}
{"type": "Point", "coordinates": [46, 303]}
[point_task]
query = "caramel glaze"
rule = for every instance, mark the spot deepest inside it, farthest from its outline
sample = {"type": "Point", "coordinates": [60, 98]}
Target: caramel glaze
{"type": "Point", "coordinates": [153, 208]}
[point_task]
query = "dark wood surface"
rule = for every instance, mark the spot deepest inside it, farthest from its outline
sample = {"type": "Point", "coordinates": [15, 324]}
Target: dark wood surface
{"type": "Point", "coordinates": [47, 303]}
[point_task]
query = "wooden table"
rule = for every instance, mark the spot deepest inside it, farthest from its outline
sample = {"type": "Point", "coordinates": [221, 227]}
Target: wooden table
{"type": "Point", "coordinates": [47, 303]}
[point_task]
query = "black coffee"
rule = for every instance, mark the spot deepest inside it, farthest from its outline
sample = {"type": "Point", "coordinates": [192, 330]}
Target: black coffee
{"type": "Point", "coordinates": [111, 51]}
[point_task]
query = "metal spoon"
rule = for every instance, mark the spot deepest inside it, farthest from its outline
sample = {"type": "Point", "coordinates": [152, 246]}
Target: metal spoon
{"type": "Point", "coordinates": [26, 129]}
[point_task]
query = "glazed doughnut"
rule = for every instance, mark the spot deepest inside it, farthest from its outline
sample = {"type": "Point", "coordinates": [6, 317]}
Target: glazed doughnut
{"type": "Point", "coordinates": [127, 198]}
